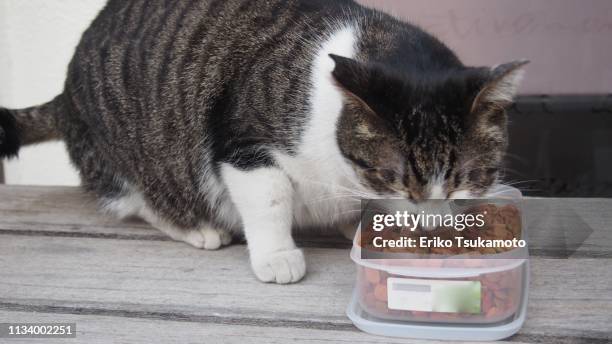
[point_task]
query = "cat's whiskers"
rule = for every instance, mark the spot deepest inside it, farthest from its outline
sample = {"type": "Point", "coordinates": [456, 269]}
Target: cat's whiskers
{"type": "Point", "coordinates": [468, 162]}
{"type": "Point", "coordinates": [332, 187]}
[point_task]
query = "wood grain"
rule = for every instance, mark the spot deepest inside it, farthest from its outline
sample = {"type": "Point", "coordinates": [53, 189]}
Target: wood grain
{"type": "Point", "coordinates": [97, 329]}
{"type": "Point", "coordinates": [68, 212]}
{"type": "Point", "coordinates": [61, 260]}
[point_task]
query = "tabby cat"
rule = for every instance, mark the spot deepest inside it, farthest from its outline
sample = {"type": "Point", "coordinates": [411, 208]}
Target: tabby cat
{"type": "Point", "coordinates": [209, 118]}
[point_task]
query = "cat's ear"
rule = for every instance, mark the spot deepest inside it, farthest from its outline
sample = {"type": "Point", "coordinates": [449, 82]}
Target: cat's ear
{"type": "Point", "coordinates": [351, 76]}
{"type": "Point", "coordinates": [364, 86]}
{"type": "Point", "coordinates": [500, 86]}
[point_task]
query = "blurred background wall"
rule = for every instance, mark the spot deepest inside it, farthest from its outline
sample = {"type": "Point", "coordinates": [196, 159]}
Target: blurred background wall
{"type": "Point", "coordinates": [568, 41]}
{"type": "Point", "coordinates": [37, 40]}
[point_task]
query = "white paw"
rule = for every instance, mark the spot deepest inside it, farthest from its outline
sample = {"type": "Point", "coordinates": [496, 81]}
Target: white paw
{"type": "Point", "coordinates": [215, 238]}
{"type": "Point", "coordinates": [193, 238]}
{"type": "Point", "coordinates": [208, 238]}
{"type": "Point", "coordinates": [281, 267]}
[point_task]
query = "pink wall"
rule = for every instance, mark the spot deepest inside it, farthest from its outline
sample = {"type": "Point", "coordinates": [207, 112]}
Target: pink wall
{"type": "Point", "coordinates": [569, 42]}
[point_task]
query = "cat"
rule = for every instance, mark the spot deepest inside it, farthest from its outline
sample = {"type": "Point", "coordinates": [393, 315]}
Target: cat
{"type": "Point", "coordinates": [209, 118]}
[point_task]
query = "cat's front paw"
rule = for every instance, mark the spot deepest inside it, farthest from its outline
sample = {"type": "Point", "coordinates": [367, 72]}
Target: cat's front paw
{"type": "Point", "coordinates": [207, 238]}
{"type": "Point", "coordinates": [280, 267]}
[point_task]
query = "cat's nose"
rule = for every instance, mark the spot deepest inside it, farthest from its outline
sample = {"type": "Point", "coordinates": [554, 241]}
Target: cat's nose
{"type": "Point", "coordinates": [415, 197]}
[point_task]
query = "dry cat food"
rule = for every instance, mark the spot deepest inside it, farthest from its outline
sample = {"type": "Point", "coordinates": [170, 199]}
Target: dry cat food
{"type": "Point", "coordinates": [443, 292]}
{"type": "Point", "coordinates": [488, 297]}
{"type": "Point", "coordinates": [498, 296]}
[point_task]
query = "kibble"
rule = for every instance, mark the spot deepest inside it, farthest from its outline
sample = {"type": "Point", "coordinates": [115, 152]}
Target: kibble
{"type": "Point", "coordinates": [500, 291]}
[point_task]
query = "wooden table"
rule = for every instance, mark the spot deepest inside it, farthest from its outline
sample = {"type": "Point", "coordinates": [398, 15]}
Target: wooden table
{"type": "Point", "coordinates": [62, 261]}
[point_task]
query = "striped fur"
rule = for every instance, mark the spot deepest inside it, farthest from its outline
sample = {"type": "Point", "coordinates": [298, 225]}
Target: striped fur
{"type": "Point", "coordinates": [163, 96]}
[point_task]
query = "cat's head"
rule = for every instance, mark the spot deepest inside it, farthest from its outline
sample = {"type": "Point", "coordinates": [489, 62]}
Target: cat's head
{"type": "Point", "coordinates": [439, 135]}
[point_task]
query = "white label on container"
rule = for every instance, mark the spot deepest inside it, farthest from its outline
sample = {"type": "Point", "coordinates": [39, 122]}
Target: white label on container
{"type": "Point", "coordinates": [433, 295]}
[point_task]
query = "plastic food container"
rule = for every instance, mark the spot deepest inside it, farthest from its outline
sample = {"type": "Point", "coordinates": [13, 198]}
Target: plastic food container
{"type": "Point", "coordinates": [452, 298]}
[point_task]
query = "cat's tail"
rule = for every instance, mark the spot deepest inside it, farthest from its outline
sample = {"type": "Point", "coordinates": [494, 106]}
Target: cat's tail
{"type": "Point", "coordinates": [30, 125]}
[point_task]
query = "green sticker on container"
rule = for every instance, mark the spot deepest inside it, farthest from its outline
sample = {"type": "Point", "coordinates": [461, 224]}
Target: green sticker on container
{"type": "Point", "coordinates": [461, 297]}
{"type": "Point", "coordinates": [434, 295]}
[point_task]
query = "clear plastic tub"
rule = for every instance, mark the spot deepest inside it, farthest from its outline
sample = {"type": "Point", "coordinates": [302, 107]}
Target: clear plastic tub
{"type": "Point", "coordinates": [454, 298]}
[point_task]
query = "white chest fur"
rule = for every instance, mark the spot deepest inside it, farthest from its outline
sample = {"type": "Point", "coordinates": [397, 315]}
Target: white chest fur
{"type": "Point", "coordinates": [326, 187]}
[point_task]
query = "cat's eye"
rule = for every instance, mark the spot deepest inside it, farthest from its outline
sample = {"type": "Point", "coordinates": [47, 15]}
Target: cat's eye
{"type": "Point", "coordinates": [361, 163]}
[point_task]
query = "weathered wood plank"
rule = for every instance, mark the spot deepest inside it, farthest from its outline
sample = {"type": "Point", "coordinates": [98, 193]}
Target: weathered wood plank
{"type": "Point", "coordinates": [61, 209]}
{"type": "Point", "coordinates": [70, 212]}
{"type": "Point", "coordinates": [108, 329]}
{"type": "Point", "coordinates": [67, 211]}
{"type": "Point", "coordinates": [569, 298]}
{"type": "Point", "coordinates": [60, 257]}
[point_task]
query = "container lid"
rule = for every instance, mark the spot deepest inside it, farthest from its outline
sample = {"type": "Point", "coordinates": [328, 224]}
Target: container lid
{"type": "Point", "coordinates": [455, 266]}
{"type": "Point", "coordinates": [444, 267]}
